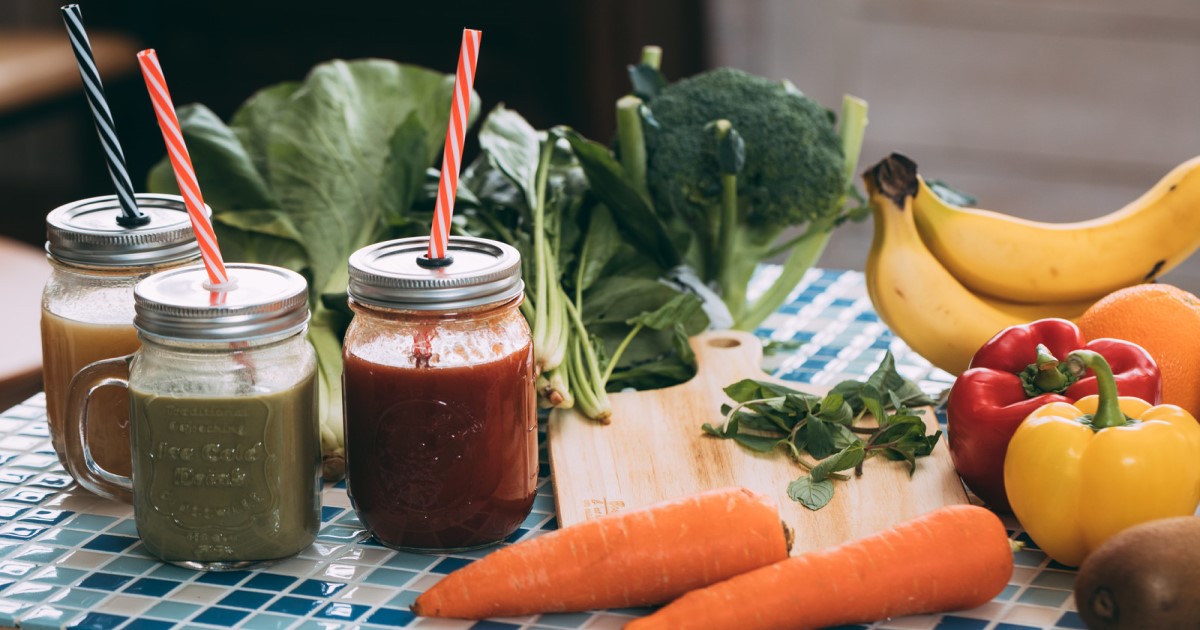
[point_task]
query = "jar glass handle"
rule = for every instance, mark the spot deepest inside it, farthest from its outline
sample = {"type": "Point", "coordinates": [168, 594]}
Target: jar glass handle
{"type": "Point", "coordinates": [79, 460]}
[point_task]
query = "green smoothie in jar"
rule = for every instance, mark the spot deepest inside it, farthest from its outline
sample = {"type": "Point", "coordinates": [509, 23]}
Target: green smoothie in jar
{"type": "Point", "coordinates": [223, 419]}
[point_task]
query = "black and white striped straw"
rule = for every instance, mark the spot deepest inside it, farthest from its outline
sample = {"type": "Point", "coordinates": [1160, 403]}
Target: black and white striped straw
{"type": "Point", "coordinates": [130, 216]}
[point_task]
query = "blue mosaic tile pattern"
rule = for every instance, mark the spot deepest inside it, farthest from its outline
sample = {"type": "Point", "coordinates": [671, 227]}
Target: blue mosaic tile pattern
{"type": "Point", "coordinates": [70, 559]}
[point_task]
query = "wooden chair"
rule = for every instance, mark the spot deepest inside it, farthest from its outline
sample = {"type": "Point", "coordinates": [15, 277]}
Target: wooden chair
{"type": "Point", "coordinates": [23, 273]}
{"type": "Point", "coordinates": [38, 67]}
{"type": "Point", "coordinates": [38, 72]}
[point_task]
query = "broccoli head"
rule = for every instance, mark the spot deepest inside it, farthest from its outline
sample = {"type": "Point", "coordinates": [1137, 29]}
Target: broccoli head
{"type": "Point", "coordinates": [794, 166]}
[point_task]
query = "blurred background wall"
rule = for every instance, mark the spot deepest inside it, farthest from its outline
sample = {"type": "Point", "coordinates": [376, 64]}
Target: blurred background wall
{"type": "Point", "coordinates": [556, 62]}
{"type": "Point", "coordinates": [1052, 109]}
{"type": "Point", "coordinates": [1058, 110]}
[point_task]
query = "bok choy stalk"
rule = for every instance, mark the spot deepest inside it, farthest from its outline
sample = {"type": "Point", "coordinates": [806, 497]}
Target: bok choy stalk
{"type": "Point", "coordinates": [528, 188]}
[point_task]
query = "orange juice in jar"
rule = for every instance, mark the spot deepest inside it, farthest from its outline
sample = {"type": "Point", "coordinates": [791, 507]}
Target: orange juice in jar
{"type": "Point", "coordinates": [87, 304]}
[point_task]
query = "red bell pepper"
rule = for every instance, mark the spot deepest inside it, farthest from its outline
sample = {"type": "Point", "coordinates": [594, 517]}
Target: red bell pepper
{"type": "Point", "coordinates": [1017, 372]}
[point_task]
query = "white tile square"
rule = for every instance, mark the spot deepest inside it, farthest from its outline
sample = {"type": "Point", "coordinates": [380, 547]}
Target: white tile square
{"type": "Point", "coordinates": [83, 559]}
{"type": "Point", "coordinates": [320, 550]}
{"type": "Point", "coordinates": [298, 567]}
{"type": "Point", "coordinates": [990, 610]}
{"type": "Point", "coordinates": [344, 572]}
{"type": "Point", "coordinates": [370, 556]}
{"type": "Point", "coordinates": [335, 498]}
{"type": "Point", "coordinates": [128, 605]}
{"type": "Point", "coordinates": [914, 622]}
{"type": "Point", "coordinates": [1023, 575]}
{"type": "Point", "coordinates": [112, 508]}
{"type": "Point", "coordinates": [199, 594]}
{"type": "Point", "coordinates": [427, 623]}
{"type": "Point", "coordinates": [1033, 615]}
{"type": "Point", "coordinates": [76, 502]}
{"type": "Point", "coordinates": [368, 595]}
{"type": "Point", "coordinates": [425, 582]}
{"type": "Point", "coordinates": [606, 621]}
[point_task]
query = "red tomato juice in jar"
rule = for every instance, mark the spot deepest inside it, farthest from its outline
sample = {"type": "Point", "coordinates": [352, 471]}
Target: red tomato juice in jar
{"type": "Point", "coordinates": [440, 410]}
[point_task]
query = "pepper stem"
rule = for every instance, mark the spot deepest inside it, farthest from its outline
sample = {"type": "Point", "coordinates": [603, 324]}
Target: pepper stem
{"type": "Point", "coordinates": [1046, 374]}
{"type": "Point", "coordinates": [1049, 378]}
{"type": "Point", "coordinates": [1108, 410]}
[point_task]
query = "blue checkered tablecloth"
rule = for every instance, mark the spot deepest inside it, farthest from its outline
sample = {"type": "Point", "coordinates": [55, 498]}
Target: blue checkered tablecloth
{"type": "Point", "coordinates": [70, 559]}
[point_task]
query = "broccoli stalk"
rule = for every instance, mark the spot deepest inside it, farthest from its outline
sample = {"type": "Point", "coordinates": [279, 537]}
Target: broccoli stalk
{"type": "Point", "coordinates": [730, 160]}
{"type": "Point", "coordinates": [630, 138]}
{"type": "Point", "coordinates": [652, 56]}
{"type": "Point", "coordinates": [804, 250]}
{"type": "Point", "coordinates": [629, 127]}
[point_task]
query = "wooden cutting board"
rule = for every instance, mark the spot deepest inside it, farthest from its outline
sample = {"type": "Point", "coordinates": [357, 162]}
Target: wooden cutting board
{"type": "Point", "coordinates": [654, 450]}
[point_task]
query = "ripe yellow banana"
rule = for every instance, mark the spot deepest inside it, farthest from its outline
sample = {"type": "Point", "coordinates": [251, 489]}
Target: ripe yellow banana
{"type": "Point", "coordinates": [918, 298]}
{"type": "Point", "coordinates": [1031, 261]}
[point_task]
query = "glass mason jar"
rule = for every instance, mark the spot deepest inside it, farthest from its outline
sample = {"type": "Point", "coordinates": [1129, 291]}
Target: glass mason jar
{"type": "Point", "coordinates": [223, 419]}
{"type": "Point", "coordinates": [440, 411]}
{"type": "Point", "coordinates": [87, 304]}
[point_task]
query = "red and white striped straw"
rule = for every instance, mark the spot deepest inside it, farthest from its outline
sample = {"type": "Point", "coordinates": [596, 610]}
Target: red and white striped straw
{"type": "Point", "coordinates": [181, 162]}
{"type": "Point", "coordinates": [460, 107]}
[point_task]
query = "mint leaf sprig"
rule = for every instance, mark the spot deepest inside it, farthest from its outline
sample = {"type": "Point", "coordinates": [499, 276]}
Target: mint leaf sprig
{"type": "Point", "coordinates": [823, 434]}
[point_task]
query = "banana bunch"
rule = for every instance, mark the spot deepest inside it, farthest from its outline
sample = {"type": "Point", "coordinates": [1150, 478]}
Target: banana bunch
{"type": "Point", "coordinates": [1030, 261]}
{"type": "Point", "coordinates": [929, 305]}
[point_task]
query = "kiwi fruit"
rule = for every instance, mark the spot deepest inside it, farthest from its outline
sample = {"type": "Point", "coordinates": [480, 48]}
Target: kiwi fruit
{"type": "Point", "coordinates": [1145, 577]}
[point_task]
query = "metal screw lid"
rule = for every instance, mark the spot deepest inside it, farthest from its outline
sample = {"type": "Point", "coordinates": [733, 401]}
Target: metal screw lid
{"type": "Point", "coordinates": [176, 304]}
{"type": "Point", "coordinates": [388, 274]}
{"type": "Point", "coordinates": [85, 232]}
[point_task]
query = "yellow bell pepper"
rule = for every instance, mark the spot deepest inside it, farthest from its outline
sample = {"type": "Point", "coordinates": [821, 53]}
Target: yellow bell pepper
{"type": "Point", "coordinates": [1077, 474]}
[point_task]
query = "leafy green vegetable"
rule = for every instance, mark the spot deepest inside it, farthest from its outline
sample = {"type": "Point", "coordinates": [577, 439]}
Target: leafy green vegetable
{"type": "Point", "coordinates": [306, 173]}
{"type": "Point", "coordinates": [638, 222]}
{"type": "Point", "coordinates": [813, 495]}
{"type": "Point", "coordinates": [594, 262]}
{"type": "Point", "coordinates": [647, 81]}
{"type": "Point", "coordinates": [768, 415]}
{"type": "Point", "coordinates": [625, 255]}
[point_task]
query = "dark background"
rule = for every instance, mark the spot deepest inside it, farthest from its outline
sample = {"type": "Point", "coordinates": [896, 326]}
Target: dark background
{"type": "Point", "coordinates": [555, 62]}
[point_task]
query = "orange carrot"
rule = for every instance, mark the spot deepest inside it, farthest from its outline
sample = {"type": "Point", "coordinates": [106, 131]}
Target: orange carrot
{"type": "Point", "coordinates": [634, 558]}
{"type": "Point", "coordinates": [953, 558]}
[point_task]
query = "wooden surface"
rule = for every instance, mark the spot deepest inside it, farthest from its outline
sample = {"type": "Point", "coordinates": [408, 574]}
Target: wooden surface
{"type": "Point", "coordinates": [23, 273]}
{"type": "Point", "coordinates": [654, 450]}
{"type": "Point", "coordinates": [35, 67]}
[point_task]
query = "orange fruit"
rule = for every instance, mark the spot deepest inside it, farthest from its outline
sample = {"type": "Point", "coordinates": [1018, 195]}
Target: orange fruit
{"type": "Point", "coordinates": [1163, 319]}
